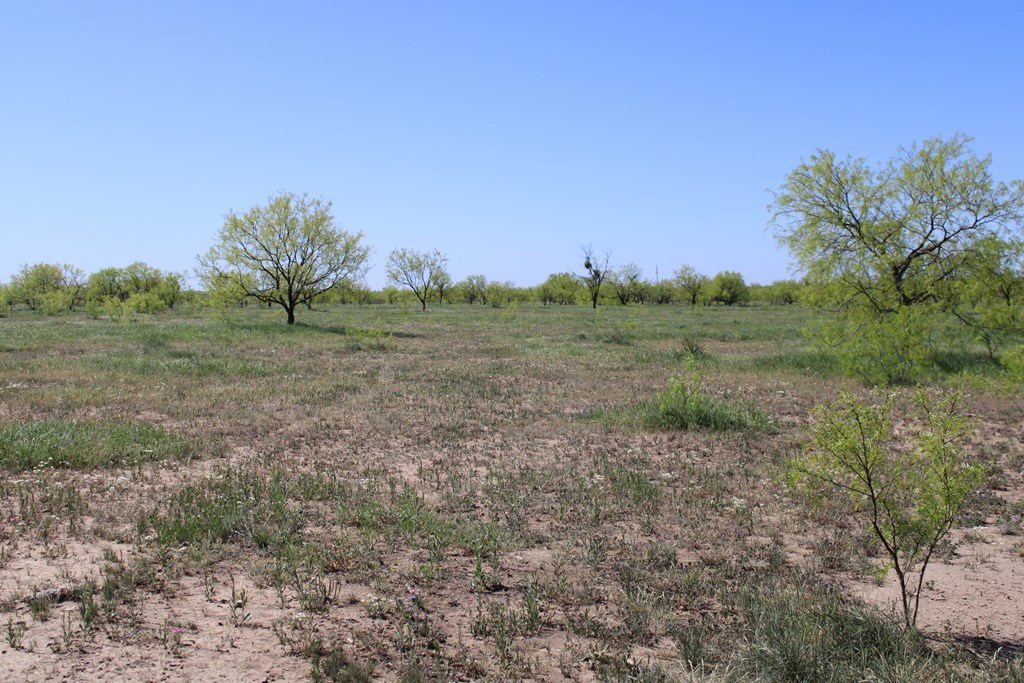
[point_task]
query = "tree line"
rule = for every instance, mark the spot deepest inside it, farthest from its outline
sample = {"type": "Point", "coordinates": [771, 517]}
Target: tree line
{"type": "Point", "coordinates": [139, 288]}
{"type": "Point", "coordinates": [896, 251]}
{"type": "Point", "coordinates": [52, 288]}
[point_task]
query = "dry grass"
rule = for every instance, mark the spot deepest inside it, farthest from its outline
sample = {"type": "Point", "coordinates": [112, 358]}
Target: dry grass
{"type": "Point", "coordinates": [382, 493]}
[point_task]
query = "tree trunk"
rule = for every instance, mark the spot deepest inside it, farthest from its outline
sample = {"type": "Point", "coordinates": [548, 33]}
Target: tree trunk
{"type": "Point", "coordinates": [291, 316]}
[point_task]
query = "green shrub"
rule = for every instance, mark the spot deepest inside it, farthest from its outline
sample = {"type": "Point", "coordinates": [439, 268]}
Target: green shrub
{"type": "Point", "coordinates": [908, 498]}
{"type": "Point", "coordinates": [881, 350]}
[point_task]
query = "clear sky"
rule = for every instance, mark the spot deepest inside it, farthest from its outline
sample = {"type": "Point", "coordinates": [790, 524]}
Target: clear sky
{"type": "Point", "coordinates": [506, 134]}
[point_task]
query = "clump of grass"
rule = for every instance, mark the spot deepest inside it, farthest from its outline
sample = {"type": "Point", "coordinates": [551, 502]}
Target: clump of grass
{"type": "Point", "coordinates": [239, 505]}
{"type": "Point", "coordinates": [794, 635]}
{"type": "Point", "coordinates": [86, 444]}
{"type": "Point", "coordinates": [684, 406]}
{"type": "Point", "coordinates": [693, 347]}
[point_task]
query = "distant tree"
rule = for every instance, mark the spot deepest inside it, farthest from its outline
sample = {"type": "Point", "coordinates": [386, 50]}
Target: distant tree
{"type": "Point", "coordinates": [662, 292]}
{"type": "Point", "coordinates": [626, 282]}
{"type": "Point", "coordinates": [169, 289]}
{"type": "Point", "coordinates": [474, 289]}
{"type": "Point", "coordinates": [48, 287]}
{"type": "Point", "coordinates": [443, 283]}
{"type": "Point", "coordinates": [107, 283]}
{"type": "Point", "coordinates": [499, 293]}
{"type": "Point", "coordinates": [729, 288]}
{"type": "Point", "coordinates": [784, 292]}
{"type": "Point", "coordinates": [141, 277]}
{"type": "Point", "coordinates": [285, 253]}
{"type": "Point", "coordinates": [560, 288]}
{"type": "Point", "coordinates": [75, 285]}
{"type": "Point", "coordinates": [419, 271]}
{"type": "Point", "coordinates": [597, 273]}
{"type": "Point", "coordinates": [5, 299]}
{"type": "Point", "coordinates": [691, 283]}
{"type": "Point", "coordinates": [30, 284]}
{"type": "Point", "coordinates": [139, 280]}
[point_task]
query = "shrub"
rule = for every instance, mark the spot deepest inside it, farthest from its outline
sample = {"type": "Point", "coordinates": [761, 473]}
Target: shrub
{"type": "Point", "coordinates": [880, 350]}
{"type": "Point", "coordinates": [909, 498]}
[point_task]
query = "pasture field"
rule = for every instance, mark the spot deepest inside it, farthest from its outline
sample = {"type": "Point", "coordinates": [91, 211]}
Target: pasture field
{"type": "Point", "coordinates": [468, 493]}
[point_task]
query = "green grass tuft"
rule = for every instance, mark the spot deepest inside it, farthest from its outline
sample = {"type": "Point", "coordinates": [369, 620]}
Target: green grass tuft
{"type": "Point", "coordinates": [683, 406]}
{"type": "Point", "coordinates": [796, 635]}
{"type": "Point", "coordinates": [81, 444]}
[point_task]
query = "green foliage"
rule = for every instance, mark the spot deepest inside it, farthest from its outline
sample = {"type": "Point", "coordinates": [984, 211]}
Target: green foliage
{"type": "Point", "coordinates": [286, 253]}
{"type": "Point", "coordinates": [136, 289]}
{"type": "Point", "coordinates": [684, 406]}
{"type": "Point", "coordinates": [784, 292]}
{"type": "Point", "coordinates": [421, 272]}
{"type": "Point", "coordinates": [1014, 362]}
{"type": "Point", "coordinates": [561, 288]}
{"type": "Point", "coordinates": [910, 496]}
{"type": "Point", "coordinates": [930, 230]}
{"type": "Point", "coordinates": [991, 301]}
{"type": "Point", "coordinates": [54, 302]}
{"type": "Point", "coordinates": [627, 284]}
{"type": "Point", "coordinates": [47, 287]}
{"type": "Point", "coordinates": [473, 289]}
{"type": "Point", "coordinates": [891, 349]}
{"type": "Point", "coordinates": [84, 444]}
{"type": "Point", "coordinates": [729, 288]}
{"type": "Point", "coordinates": [691, 283]}
{"type": "Point", "coordinates": [500, 294]}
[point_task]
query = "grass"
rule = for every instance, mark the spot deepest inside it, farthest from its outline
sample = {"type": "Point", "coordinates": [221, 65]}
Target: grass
{"type": "Point", "coordinates": [685, 406]}
{"type": "Point", "coordinates": [86, 444]}
{"type": "Point", "coordinates": [414, 496]}
{"type": "Point", "coordinates": [796, 634]}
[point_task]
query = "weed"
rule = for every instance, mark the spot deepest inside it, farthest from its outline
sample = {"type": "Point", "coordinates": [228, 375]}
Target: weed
{"type": "Point", "coordinates": [40, 608]}
{"type": "Point", "coordinates": [88, 611]}
{"type": "Point", "coordinates": [335, 666]}
{"type": "Point", "coordinates": [15, 633]}
{"type": "Point", "coordinates": [238, 605]}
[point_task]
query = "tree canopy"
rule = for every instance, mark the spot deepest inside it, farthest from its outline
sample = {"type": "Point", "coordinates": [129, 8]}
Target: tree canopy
{"type": "Point", "coordinates": [421, 272]}
{"type": "Point", "coordinates": [902, 234]}
{"type": "Point", "coordinates": [287, 253]}
{"type": "Point", "coordinates": [929, 231]}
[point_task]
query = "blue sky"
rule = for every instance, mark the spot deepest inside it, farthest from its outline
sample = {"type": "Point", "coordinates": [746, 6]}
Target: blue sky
{"type": "Point", "coordinates": [505, 134]}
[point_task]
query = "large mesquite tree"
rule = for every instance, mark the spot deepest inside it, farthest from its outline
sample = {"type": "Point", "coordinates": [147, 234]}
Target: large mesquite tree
{"type": "Point", "coordinates": [287, 252]}
{"type": "Point", "coordinates": [930, 230]}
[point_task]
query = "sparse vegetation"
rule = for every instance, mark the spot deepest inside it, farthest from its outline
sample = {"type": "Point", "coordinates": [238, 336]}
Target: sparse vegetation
{"type": "Point", "coordinates": [345, 498]}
